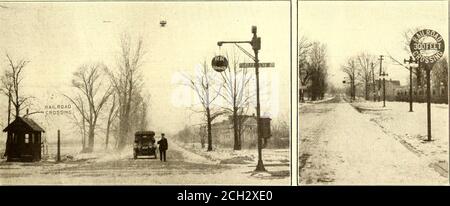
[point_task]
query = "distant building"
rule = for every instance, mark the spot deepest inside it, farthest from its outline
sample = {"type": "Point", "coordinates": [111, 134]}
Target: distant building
{"type": "Point", "coordinates": [223, 132]}
{"type": "Point", "coordinates": [439, 93]}
{"type": "Point", "coordinates": [23, 140]}
{"type": "Point", "coordinates": [391, 87]}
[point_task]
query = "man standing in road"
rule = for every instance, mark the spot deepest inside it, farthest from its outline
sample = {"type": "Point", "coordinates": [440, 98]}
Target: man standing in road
{"type": "Point", "coordinates": [163, 146]}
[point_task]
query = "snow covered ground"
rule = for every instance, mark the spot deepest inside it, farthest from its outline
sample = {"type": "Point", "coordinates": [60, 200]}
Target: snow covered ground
{"type": "Point", "coordinates": [339, 145]}
{"type": "Point", "coordinates": [309, 102]}
{"type": "Point", "coordinates": [276, 161]}
{"type": "Point", "coordinates": [119, 168]}
{"type": "Point", "coordinates": [410, 128]}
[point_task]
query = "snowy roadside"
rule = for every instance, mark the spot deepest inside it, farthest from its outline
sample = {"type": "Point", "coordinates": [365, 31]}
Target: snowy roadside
{"type": "Point", "coordinates": [244, 156]}
{"type": "Point", "coordinates": [309, 102]}
{"type": "Point", "coordinates": [410, 128]}
{"type": "Point", "coordinates": [188, 155]}
{"type": "Point", "coordinates": [243, 162]}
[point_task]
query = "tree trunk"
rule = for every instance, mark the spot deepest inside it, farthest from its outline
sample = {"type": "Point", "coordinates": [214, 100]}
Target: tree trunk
{"type": "Point", "coordinates": [208, 120]}
{"type": "Point", "coordinates": [91, 138]}
{"type": "Point", "coordinates": [9, 108]}
{"type": "Point", "coordinates": [240, 124]}
{"type": "Point", "coordinates": [107, 135]}
{"type": "Point", "coordinates": [83, 141]}
{"type": "Point", "coordinates": [237, 142]}
{"type": "Point", "coordinates": [9, 121]}
{"type": "Point", "coordinates": [367, 90]}
{"type": "Point", "coordinates": [122, 134]}
{"type": "Point", "coordinates": [353, 88]}
{"type": "Point", "coordinates": [17, 111]}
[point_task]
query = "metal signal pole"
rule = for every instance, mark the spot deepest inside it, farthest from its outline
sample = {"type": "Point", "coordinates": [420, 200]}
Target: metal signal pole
{"type": "Point", "coordinates": [256, 46]}
{"type": "Point", "coordinates": [428, 69]}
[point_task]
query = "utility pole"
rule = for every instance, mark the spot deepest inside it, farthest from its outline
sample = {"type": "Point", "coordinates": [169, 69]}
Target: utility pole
{"type": "Point", "coordinates": [58, 154]}
{"type": "Point", "coordinates": [373, 81]}
{"type": "Point", "coordinates": [383, 74]}
{"type": "Point", "coordinates": [352, 83]}
{"type": "Point", "coordinates": [410, 61]}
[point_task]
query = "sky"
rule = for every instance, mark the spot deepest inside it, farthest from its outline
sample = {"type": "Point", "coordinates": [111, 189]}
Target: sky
{"type": "Point", "coordinates": [350, 27]}
{"type": "Point", "coordinates": [59, 37]}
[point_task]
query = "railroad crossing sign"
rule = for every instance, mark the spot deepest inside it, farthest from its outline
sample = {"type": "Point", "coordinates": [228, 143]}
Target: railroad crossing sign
{"type": "Point", "coordinates": [427, 46]}
{"type": "Point", "coordinates": [248, 65]}
{"type": "Point", "coordinates": [219, 63]}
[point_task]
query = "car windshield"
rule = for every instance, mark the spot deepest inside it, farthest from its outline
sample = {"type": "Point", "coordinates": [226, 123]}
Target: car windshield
{"type": "Point", "coordinates": [145, 140]}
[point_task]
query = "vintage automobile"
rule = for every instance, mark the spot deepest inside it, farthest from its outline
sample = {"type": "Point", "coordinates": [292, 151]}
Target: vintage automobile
{"type": "Point", "coordinates": [144, 144]}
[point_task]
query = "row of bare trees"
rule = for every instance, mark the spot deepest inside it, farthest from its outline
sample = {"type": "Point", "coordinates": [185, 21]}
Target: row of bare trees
{"type": "Point", "coordinates": [95, 88]}
{"type": "Point", "coordinates": [231, 87]}
{"type": "Point", "coordinates": [117, 90]}
{"type": "Point", "coordinates": [313, 68]}
{"type": "Point", "coordinates": [360, 70]}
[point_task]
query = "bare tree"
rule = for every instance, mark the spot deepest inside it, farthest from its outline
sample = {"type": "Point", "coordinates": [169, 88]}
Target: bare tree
{"type": "Point", "coordinates": [92, 96]}
{"type": "Point", "coordinates": [365, 62]}
{"type": "Point", "coordinates": [236, 96]}
{"type": "Point", "coordinates": [202, 84]}
{"type": "Point", "coordinates": [350, 69]}
{"type": "Point", "coordinates": [112, 115]}
{"type": "Point", "coordinates": [6, 89]}
{"type": "Point", "coordinates": [11, 85]}
{"type": "Point", "coordinates": [318, 70]}
{"type": "Point", "coordinates": [79, 122]}
{"type": "Point", "coordinates": [439, 75]}
{"type": "Point", "coordinates": [418, 71]}
{"type": "Point", "coordinates": [138, 116]}
{"type": "Point", "coordinates": [127, 81]}
{"type": "Point", "coordinates": [303, 73]}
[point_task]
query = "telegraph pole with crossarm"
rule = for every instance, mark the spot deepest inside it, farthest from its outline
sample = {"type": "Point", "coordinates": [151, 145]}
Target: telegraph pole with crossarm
{"type": "Point", "coordinates": [383, 74]}
{"type": "Point", "coordinates": [410, 62]}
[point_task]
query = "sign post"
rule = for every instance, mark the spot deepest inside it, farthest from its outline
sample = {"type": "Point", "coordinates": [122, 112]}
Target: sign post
{"type": "Point", "coordinates": [255, 42]}
{"type": "Point", "coordinates": [58, 152]}
{"type": "Point", "coordinates": [427, 47]}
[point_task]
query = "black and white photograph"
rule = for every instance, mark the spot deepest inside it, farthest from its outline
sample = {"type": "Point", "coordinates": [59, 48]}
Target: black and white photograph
{"type": "Point", "coordinates": [239, 93]}
{"type": "Point", "coordinates": [373, 92]}
{"type": "Point", "coordinates": [145, 93]}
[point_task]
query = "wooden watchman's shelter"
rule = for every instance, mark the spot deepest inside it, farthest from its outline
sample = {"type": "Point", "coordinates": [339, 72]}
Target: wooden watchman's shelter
{"type": "Point", "coordinates": [23, 142]}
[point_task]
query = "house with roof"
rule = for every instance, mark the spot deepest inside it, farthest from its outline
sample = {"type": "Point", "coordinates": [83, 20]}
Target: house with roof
{"type": "Point", "coordinates": [23, 140]}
